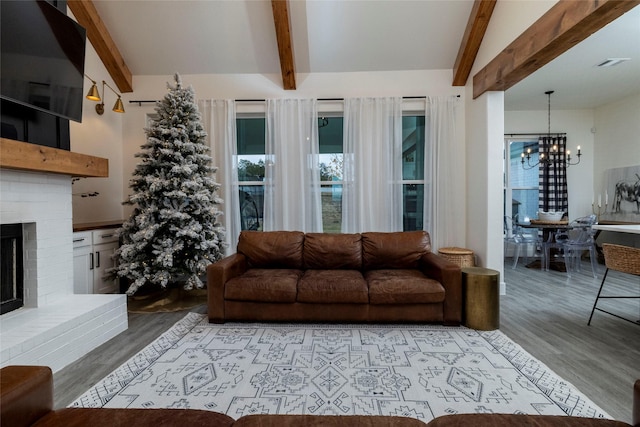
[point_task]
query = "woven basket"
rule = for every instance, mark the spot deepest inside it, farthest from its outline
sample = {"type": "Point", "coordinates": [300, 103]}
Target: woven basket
{"type": "Point", "coordinates": [460, 256]}
{"type": "Point", "coordinates": [622, 258]}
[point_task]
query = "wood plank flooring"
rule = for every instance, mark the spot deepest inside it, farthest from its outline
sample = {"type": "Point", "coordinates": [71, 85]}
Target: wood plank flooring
{"type": "Point", "coordinates": [545, 312]}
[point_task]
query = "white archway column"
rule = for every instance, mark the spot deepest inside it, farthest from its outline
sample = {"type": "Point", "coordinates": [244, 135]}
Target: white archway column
{"type": "Point", "coordinates": [484, 153]}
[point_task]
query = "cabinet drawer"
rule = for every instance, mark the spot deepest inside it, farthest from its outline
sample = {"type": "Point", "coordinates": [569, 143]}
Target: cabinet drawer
{"type": "Point", "coordinates": [81, 238]}
{"type": "Point", "coordinates": [104, 236]}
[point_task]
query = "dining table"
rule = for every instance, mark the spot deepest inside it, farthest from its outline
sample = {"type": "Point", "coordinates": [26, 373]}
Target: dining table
{"type": "Point", "coordinates": [619, 228]}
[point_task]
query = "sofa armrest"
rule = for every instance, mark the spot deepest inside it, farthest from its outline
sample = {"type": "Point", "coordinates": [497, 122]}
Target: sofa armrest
{"type": "Point", "coordinates": [635, 419]}
{"type": "Point", "coordinates": [26, 393]}
{"type": "Point", "coordinates": [218, 274]}
{"type": "Point", "coordinates": [450, 276]}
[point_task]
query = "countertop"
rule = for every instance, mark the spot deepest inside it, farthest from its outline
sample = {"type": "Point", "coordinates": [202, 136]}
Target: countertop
{"type": "Point", "coordinates": [87, 226]}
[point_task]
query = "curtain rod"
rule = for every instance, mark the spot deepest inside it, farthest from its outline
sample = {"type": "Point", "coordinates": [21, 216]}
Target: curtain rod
{"type": "Point", "coordinates": [140, 102]}
{"type": "Point", "coordinates": [536, 134]}
{"type": "Point", "coordinates": [335, 99]}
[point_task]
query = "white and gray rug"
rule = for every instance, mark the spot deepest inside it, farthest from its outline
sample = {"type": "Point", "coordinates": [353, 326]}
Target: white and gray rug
{"type": "Point", "coordinates": [419, 371]}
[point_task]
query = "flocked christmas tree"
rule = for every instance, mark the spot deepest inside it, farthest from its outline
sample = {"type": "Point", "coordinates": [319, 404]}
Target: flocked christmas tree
{"type": "Point", "coordinates": [173, 232]}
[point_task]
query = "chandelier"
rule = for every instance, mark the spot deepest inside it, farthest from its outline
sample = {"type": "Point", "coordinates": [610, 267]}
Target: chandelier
{"type": "Point", "coordinates": [553, 155]}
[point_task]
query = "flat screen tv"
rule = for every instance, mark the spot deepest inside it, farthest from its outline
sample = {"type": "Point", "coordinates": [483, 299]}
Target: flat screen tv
{"type": "Point", "coordinates": [42, 63]}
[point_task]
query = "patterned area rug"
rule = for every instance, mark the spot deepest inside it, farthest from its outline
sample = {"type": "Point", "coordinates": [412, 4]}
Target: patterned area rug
{"type": "Point", "coordinates": [419, 371]}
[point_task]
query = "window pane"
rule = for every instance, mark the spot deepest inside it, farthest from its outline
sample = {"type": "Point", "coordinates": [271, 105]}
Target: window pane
{"type": "Point", "coordinates": [251, 158]}
{"type": "Point", "coordinates": [251, 207]}
{"type": "Point", "coordinates": [522, 183]}
{"type": "Point", "coordinates": [413, 213]}
{"type": "Point", "coordinates": [330, 133]}
{"type": "Point", "coordinates": [250, 134]}
{"type": "Point", "coordinates": [521, 177]}
{"type": "Point", "coordinates": [413, 147]}
{"type": "Point", "coordinates": [331, 208]}
{"type": "Point", "coordinates": [524, 204]}
{"type": "Point", "coordinates": [251, 147]}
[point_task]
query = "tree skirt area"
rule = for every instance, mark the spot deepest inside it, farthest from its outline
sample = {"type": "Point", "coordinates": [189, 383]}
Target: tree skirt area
{"type": "Point", "coordinates": [419, 371]}
{"type": "Point", "coordinates": [166, 300]}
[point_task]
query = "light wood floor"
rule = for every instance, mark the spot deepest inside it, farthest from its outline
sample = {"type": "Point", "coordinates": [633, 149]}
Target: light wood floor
{"type": "Point", "coordinates": [545, 312]}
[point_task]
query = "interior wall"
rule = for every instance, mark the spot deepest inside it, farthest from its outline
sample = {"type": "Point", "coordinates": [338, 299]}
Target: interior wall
{"type": "Point", "coordinates": [616, 145]}
{"type": "Point", "coordinates": [617, 126]}
{"type": "Point", "coordinates": [578, 125]}
{"type": "Point", "coordinates": [485, 123]}
{"type": "Point", "coordinates": [99, 136]}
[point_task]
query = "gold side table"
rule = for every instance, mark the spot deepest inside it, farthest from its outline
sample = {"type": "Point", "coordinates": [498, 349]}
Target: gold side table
{"type": "Point", "coordinates": [481, 296]}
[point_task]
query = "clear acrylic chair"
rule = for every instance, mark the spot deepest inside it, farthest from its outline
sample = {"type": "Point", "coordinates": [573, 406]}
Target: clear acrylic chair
{"type": "Point", "coordinates": [620, 258]}
{"type": "Point", "coordinates": [579, 237]}
{"type": "Point", "coordinates": [515, 236]}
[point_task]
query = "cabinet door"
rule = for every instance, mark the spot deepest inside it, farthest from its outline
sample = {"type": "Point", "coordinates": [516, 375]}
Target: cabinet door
{"type": "Point", "coordinates": [82, 263]}
{"type": "Point", "coordinates": [105, 243]}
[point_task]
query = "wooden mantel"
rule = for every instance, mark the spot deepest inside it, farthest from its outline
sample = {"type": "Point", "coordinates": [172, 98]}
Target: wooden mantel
{"type": "Point", "coordinates": [37, 158]}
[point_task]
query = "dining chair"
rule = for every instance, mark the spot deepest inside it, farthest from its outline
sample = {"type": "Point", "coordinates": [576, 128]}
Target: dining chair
{"type": "Point", "coordinates": [515, 236]}
{"type": "Point", "coordinates": [583, 240]}
{"type": "Point", "coordinates": [573, 241]}
{"type": "Point", "coordinates": [620, 258]}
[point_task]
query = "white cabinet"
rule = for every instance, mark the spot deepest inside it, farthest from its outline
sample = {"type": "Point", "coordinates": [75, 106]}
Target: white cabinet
{"type": "Point", "coordinates": [92, 251]}
{"type": "Point", "coordinates": [82, 263]}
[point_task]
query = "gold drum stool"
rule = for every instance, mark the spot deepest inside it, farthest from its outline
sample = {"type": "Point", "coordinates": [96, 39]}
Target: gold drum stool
{"type": "Point", "coordinates": [481, 296]}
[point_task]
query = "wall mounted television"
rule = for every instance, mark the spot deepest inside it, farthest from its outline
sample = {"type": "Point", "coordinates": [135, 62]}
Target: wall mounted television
{"type": "Point", "coordinates": [42, 58]}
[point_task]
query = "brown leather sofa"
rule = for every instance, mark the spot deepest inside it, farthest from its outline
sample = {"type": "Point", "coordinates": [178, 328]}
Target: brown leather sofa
{"type": "Point", "coordinates": [26, 399]}
{"type": "Point", "coordinates": [316, 277]}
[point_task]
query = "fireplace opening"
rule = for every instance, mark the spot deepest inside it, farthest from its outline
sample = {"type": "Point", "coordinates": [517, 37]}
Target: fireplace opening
{"type": "Point", "coordinates": [11, 268]}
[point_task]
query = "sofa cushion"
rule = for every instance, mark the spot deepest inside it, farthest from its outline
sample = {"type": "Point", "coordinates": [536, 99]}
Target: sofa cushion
{"type": "Point", "coordinates": [394, 250]}
{"type": "Point", "coordinates": [402, 287]}
{"type": "Point", "coordinates": [272, 249]}
{"type": "Point", "coordinates": [333, 286]}
{"type": "Point", "coordinates": [264, 285]}
{"type": "Point", "coordinates": [326, 251]}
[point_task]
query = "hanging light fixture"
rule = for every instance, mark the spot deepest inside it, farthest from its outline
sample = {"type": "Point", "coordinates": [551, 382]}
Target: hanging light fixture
{"type": "Point", "coordinates": [94, 95]}
{"type": "Point", "coordinates": [553, 156]}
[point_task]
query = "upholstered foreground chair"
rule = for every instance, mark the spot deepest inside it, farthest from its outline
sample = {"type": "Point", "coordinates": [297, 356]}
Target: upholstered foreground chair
{"type": "Point", "coordinates": [625, 260]}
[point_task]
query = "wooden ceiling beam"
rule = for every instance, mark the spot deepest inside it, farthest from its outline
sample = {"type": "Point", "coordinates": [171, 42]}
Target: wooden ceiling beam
{"type": "Point", "coordinates": [285, 50]}
{"type": "Point", "coordinates": [566, 24]}
{"type": "Point", "coordinates": [87, 16]}
{"type": "Point", "coordinates": [470, 44]}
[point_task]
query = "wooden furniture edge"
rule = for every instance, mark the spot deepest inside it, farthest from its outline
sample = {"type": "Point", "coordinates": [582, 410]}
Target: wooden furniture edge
{"type": "Point", "coordinates": [38, 158]}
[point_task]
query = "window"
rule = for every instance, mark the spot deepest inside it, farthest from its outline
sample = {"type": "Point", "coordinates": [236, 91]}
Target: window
{"type": "Point", "coordinates": [520, 184]}
{"type": "Point", "coordinates": [251, 159]}
{"type": "Point", "coordinates": [413, 133]}
{"type": "Point", "coordinates": [330, 133]}
{"type": "Point", "coordinates": [251, 170]}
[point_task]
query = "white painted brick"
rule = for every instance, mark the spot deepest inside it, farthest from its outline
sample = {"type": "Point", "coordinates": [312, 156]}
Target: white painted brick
{"type": "Point", "coordinates": [59, 328]}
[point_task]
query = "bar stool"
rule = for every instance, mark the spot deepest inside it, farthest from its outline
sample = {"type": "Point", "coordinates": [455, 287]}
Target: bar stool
{"type": "Point", "coordinates": [625, 260]}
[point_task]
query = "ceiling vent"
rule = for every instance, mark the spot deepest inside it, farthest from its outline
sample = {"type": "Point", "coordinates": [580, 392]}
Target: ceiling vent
{"type": "Point", "coordinates": [610, 62]}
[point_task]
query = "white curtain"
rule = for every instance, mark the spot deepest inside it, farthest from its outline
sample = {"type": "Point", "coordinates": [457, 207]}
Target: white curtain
{"type": "Point", "coordinates": [372, 175]}
{"type": "Point", "coordinates": [444, 177]}
{"type": "Point", "coordinates": [292, 174]}
{"type": "Point", "coordinates": [219, 120]}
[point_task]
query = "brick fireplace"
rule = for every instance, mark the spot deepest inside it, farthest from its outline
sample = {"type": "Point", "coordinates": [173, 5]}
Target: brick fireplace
{"type": "Point", "coordinates": [55, 326]}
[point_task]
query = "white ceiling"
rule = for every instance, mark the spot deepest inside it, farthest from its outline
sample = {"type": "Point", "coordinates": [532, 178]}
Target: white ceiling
{"type": "Point", "coordinates": [574, 77]}
{"type": "Point", "coordinates": [237, 36]}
